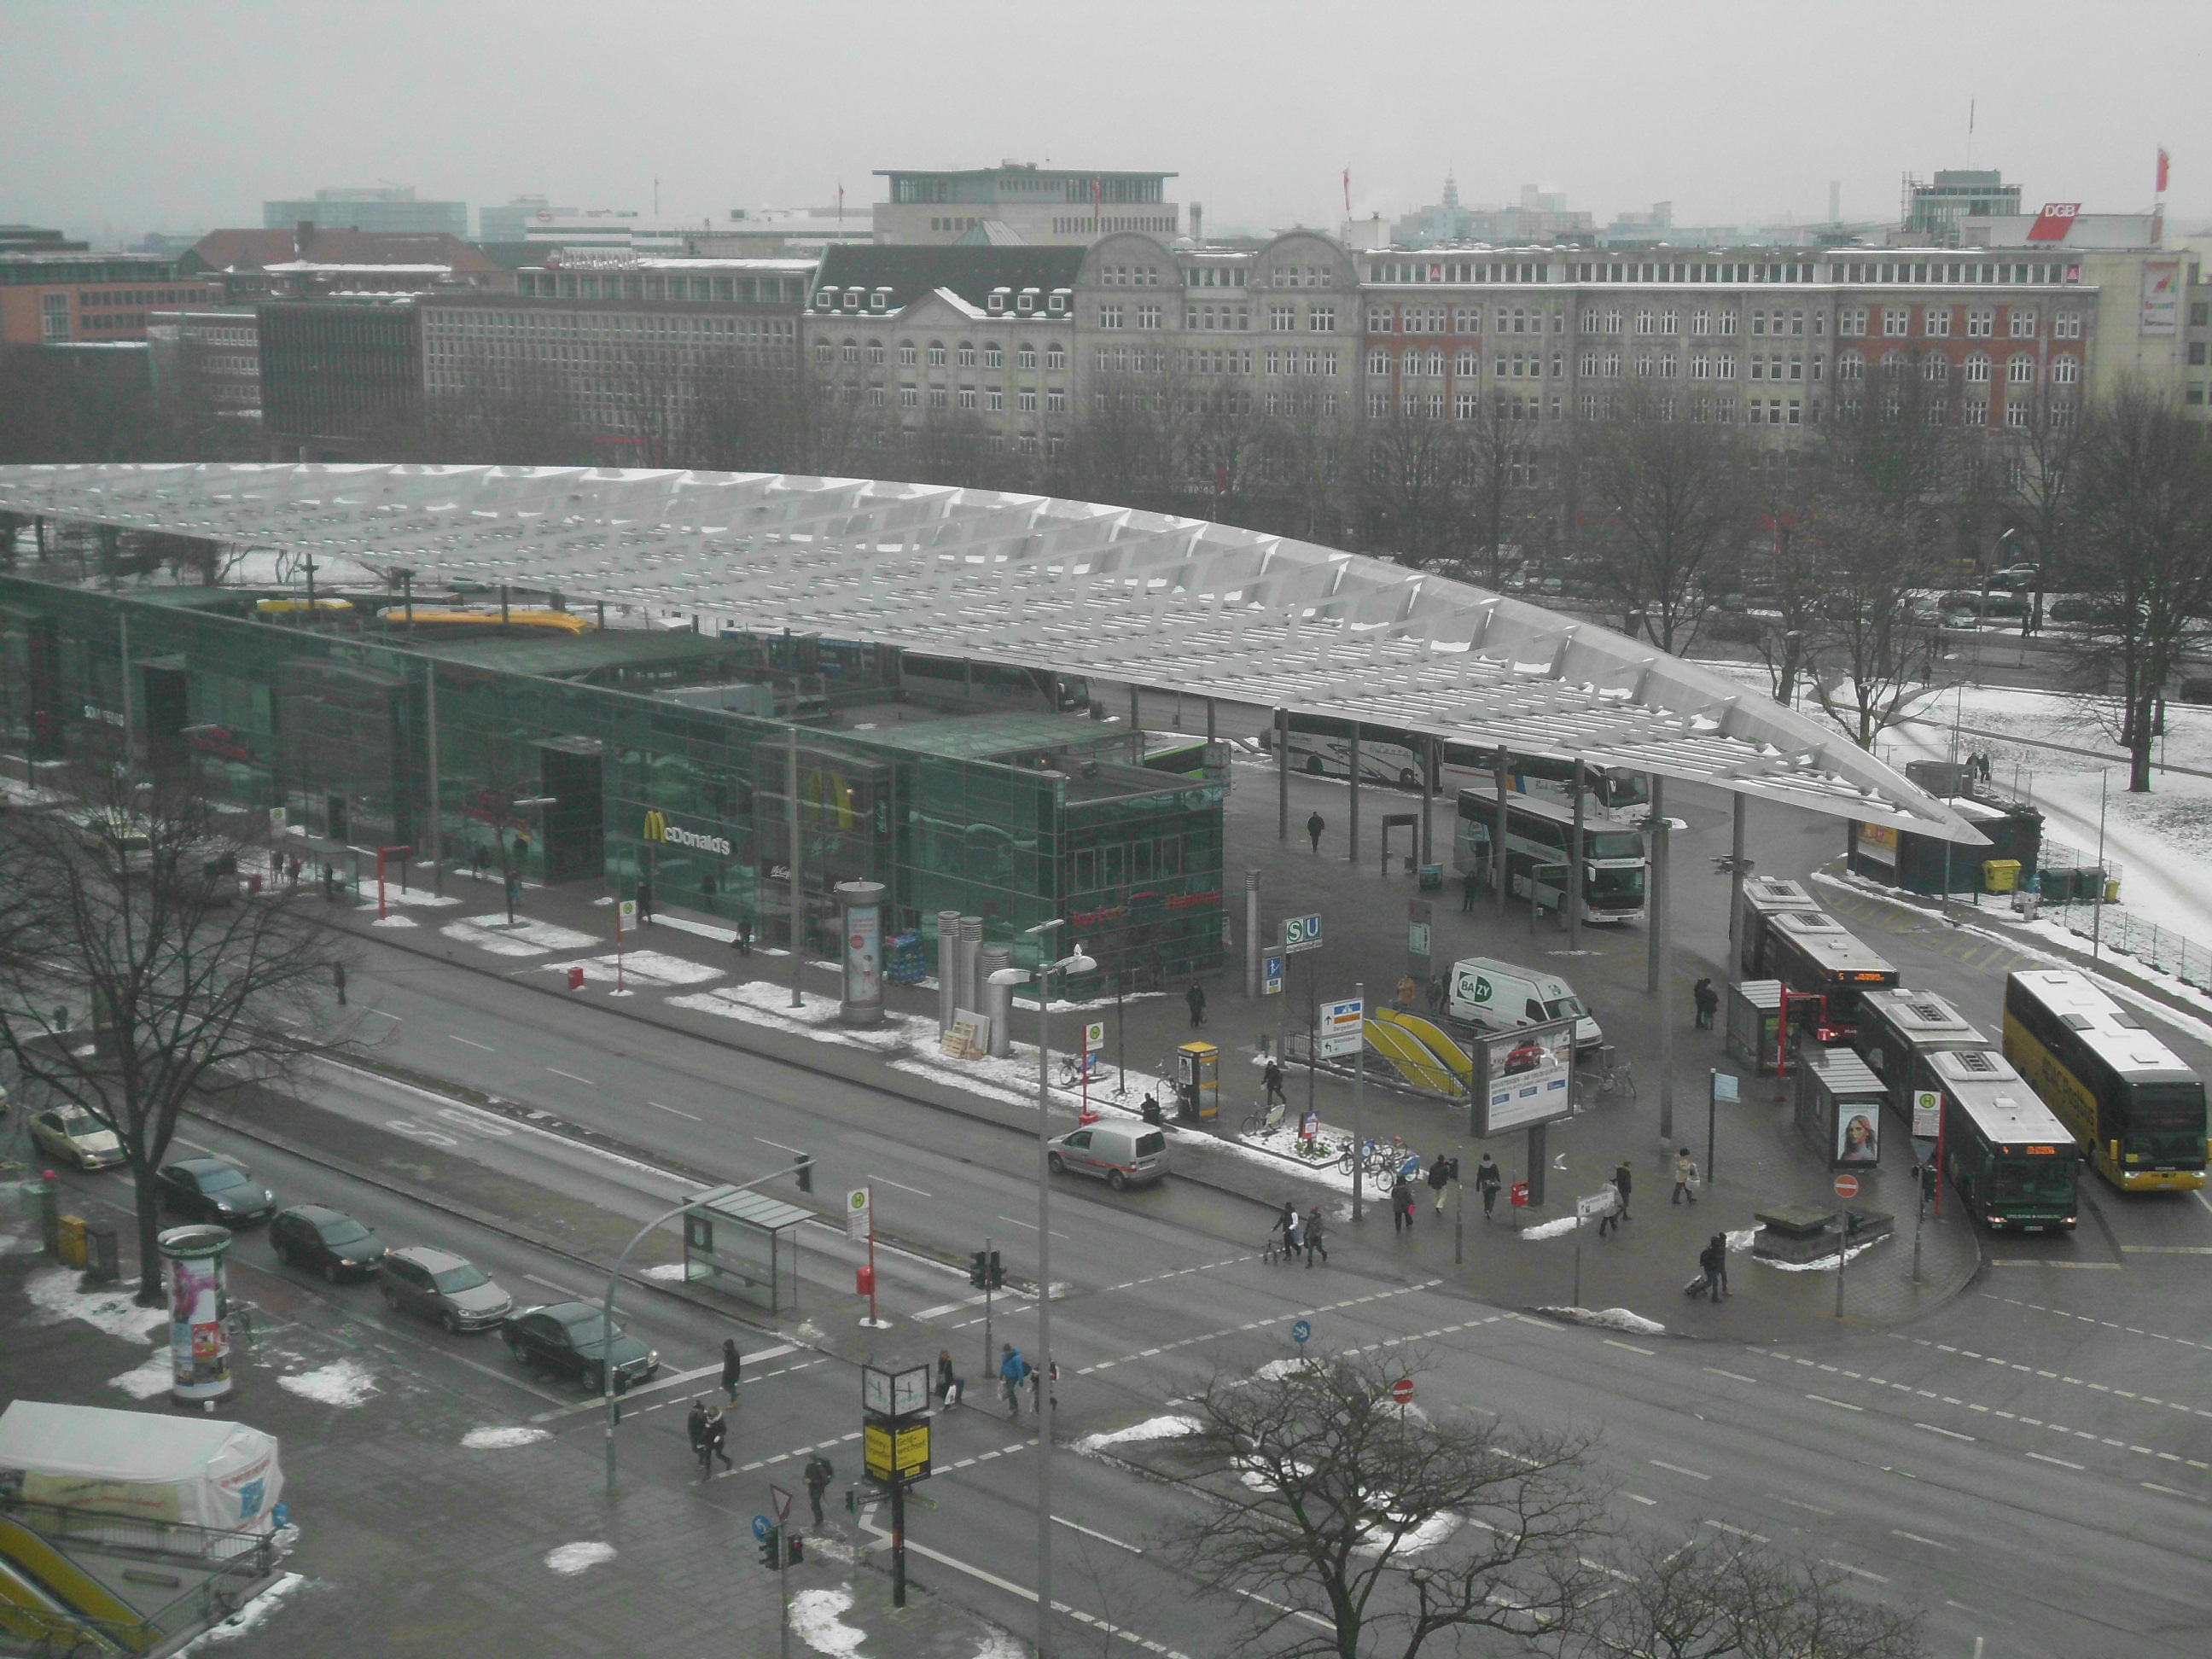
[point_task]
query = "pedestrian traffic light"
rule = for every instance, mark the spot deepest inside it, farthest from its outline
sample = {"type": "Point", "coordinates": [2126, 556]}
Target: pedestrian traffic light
{"type": "Point", "coordinates": [794, 1550]}
{"type": "Point", "coordinates": [771, 1548]}
{"type": "Point", "coordinates": [803, 1164]}
{"type": "Point", "coordinates": [998, 1272]}
{"type": "Point", "coordinates": [1927, 1174]}
{"type": "Point", "coordinates": [979, 1269]}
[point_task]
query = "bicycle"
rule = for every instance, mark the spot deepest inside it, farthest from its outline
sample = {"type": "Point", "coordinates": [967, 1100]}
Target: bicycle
{"type": "Point", "coordinates": [1263, 1120]}
{"type": "Point", "coordinates": [1618, 1079]}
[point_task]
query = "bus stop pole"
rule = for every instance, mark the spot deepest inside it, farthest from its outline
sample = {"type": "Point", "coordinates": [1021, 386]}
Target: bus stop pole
{"type": "Point", "coordinates": [1662, 951]}
{"type": "Point", "coordinates": [1282, 774]}
{"type": "Point", "coordinates": [1497, 836]}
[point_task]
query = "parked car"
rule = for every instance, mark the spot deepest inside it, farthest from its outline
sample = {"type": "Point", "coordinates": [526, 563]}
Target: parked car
{"type": "Point", "coordinates": [440, 1286]}
{"type": "Point", "coordinates": [65, 1132]}
{"type": "Point", "coordinates": [329, 1241]}
{"type": "Point", "coordinates": [1120, 1154]}
{"type": "Point", "coordinates": [571, 1338]}
{"type": "Point", "coordinates": [2015, 577]}
{"type": "Point", "coordinates": [214, 1189]}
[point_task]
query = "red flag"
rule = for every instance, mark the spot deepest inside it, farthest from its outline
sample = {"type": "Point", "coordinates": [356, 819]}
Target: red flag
{"type": "Point", "coordinates": [2164, 164]}
{"type": "Point", "coordinates": [1347, 190]}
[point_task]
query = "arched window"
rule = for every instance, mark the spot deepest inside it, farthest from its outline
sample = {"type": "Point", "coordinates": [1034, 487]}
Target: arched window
{"type": "Point", "coordinates": [876, 353]}
{"type": "Point", "coordinates": [1850, 367]}
{"type": "Point", "coordinates": [1437, 364]}
{"type": "Point", "coordinates": [967, 354]}
{"type": "Point", "coordinates": [1935, 368]}
{"type": "Point", "coordinates": [937, 354]}
{"type": "Point", "coordinates": [2020, 369]}
{"type": "Point", "coordinates": [1977, 369]}
{"type": "Point", "coordinates": [1465, 364]}
{"type": "Point", "coordinates": [851, 353]}
{"type": "Point", "coordinates": [1893, 365]}
{"type": "Point", "coordinates": [2065, 371]}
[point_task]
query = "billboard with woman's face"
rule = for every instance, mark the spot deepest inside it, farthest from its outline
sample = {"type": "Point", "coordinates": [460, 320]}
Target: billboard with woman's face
{"type": "Point", "coordinates": [1858, 1134]}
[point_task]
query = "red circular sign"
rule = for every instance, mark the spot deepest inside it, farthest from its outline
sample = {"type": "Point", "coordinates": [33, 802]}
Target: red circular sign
{"type": "Point", "coordinates": [1847, 1186]}
{"type": "Point", "coordinates": [1520, 1193]}
{"type": "Point", "coordinates": [1402, 1391]}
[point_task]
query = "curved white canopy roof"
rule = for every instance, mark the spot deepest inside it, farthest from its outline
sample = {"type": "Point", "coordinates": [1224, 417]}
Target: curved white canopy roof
{"type": "Point", "coordinates": [1175, 603]}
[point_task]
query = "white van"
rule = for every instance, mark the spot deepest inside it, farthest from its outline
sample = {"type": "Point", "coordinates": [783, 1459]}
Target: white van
{"type": "Point", "coordinates": [1496, 996]}
{"type": "Point", "coordinates": [1120, 1153]}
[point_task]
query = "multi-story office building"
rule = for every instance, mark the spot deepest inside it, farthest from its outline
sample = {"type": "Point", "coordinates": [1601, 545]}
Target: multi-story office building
{"type": "Point", "coordinates": [375, 206]}
{"type": "Point", "coordinates": [209, 358]}
{"type": "Point", "coordinates": [78, 299]}
{"type": "Point", "coordinates": [511, 222]}
{"type": "Point", "coordinates": [36, 238]}
{"type": "Point", "coordinates": [304, 261]}
{"type": "Point", "coordinates": [1021, 202]}
{"type": "Point", "coordinates": [1935, 210]}
{"type": "Point", "coordinates": [338, 377]}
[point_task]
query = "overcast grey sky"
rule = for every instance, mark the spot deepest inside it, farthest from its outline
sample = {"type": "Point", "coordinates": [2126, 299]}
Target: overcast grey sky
{"type": "Point", "coordinates": [177, 116]}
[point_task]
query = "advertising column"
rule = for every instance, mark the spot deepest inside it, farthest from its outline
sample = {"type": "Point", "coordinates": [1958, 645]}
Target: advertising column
{"type": "Point", "coordinates": [861, 917]}
{"type": "Point", "coordinates": [199, 1349]}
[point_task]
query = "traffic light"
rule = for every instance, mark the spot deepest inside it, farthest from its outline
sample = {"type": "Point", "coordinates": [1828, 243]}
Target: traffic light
{"type": "Point", "coordinates": [1926, 1172]}
{"type": "Point", "coordinates": [794, 1550]}
{"type": "Point", "coordinates": [803, 1165]}
{"type": "Point", "coordinates": [998, 1272]}
{"type": "Point", "coordinates": [979, 1269]}
{"type": "Point", "coordinates": [771, 1548]}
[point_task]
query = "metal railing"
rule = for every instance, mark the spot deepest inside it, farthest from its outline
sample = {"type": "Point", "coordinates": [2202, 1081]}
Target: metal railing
{"type": "Point", "coordinates": [229, 1564]}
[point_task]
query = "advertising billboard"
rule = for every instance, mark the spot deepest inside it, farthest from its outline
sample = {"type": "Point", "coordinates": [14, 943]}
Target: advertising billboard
{"type": "Point", "coordinates": [1523, 1077]}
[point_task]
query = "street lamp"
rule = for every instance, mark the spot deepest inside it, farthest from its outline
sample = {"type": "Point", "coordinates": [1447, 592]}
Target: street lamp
{"type": "Point", "coordinates": [1074, 963]}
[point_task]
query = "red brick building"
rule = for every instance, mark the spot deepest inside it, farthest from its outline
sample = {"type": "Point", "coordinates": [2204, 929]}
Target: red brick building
{"type": "Point", "coordinates": [79, 298]}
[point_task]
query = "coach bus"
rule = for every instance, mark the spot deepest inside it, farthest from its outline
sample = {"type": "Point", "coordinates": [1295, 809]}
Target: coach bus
{"type": "Point", "coordinates": [1538, 836]}
{"type": "Point", "coordinates": [1321, 745]}
{"type": "Point", "coordinates": [2123, 1094]}
{"type": "Point", "coordinates": [1814, 954]}
{"type": "Point", "coordinates": [2012, 1160]}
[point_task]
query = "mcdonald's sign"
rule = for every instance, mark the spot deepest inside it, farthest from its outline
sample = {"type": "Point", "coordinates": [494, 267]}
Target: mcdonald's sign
{"type": "Point", "coordinates": [655, 827]}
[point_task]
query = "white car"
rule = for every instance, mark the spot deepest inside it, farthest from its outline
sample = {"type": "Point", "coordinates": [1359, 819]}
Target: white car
{"type": "Point", "coordinates": [78, 1136]}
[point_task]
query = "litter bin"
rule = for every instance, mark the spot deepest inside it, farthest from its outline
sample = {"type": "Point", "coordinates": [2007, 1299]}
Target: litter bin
{"type": "Point", "coordinates": [2000, 875]}
{"type": "Point", "coordinates": [103, 1257]}
{"type": "Point", "coordinates": [69, 1240]}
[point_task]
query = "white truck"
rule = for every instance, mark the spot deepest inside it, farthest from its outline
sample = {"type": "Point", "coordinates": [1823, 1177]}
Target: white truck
{"type": "Point", "coordinates": [1492, 995]}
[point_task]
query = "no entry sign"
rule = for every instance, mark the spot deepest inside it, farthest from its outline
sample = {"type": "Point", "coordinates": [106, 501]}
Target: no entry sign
{"type": "Point", "coordinates": [1402, 1391]}
{"type": "Point", "coordinates": [1847, 1186]}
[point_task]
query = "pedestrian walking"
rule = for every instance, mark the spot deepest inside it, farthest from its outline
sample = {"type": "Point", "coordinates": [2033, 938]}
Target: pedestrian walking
{"type": "Point", "coordinates": [1272, 1079]}
{"type": "Point", "coordinates": [292, 871]}
{"type": "Point", "coordinates": [1487, 1181]}
{"type": "Point", "coordinates": [1708, 1001]}
{"type": "Point", "coordinates": [1313, 1236]}
{"type": "Point", "coordinates": [1685, 1177]}
{"type": "Point", "coordinates": [743, 938]}
{"type": "Point", "coordinates": [1623, 1180]}
{"type": "Point", "coordinates": [732, 1362]}
{"type": "Point", "coordinates": [1012, 1368]}
{"type": "Point", "coordinates": [1315, 825]}
{"type": "Point", "coordinates": [1436, 998]}
{"type": "Point", "coordinates": [1401, 1205]}
{"type": "Point", "coordinates": [1040, 1377]}
{"type": "Point", "coordinates": [950, 1388]}
{"type": "Point", "coordinates": [817, 1474]}
{"type": "Point", "coordinates": [1469, 886]}
{"type": "Point", "coordinates": [1196, 998]}
{"type": "Point", "coordinates": [477, 861]}
{"type": "Point", "coordinates": [695, 1428]}
{"type": "Point", "coordinates": [717, 1434]}
{"type": "Point", "coordinates": [338, 978]}
{"type": "Point", "coordinates": [1287, 1224]}
{"type": "Point", "coordinates": [644, 900]}
{"type": "Point", "coordinates": [1439, 1173]}
{"type": "Point", "coordinates": [1610, 1219]}
{"type": "Point", "coordinates": [1718, 1247]}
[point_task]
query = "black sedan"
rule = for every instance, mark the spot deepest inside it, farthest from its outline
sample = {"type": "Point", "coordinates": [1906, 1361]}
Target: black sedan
{"type": "Point", "coordinates": [214, 1189]}
{"type": "Point", "coordinates": [570, 1337]}
{"type": "Point", "coordinates": [329, 1241]}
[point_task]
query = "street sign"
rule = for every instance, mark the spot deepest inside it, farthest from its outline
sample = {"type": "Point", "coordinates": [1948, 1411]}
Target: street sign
{"type": "Point", "coordinates": [1927, 1113]}
{"type": "Point", "coordinates": [1094, 1036]}
{"type": "Point", "coordinates": [1402, 1391]}
{"type": "Point", "coordinates": [628, 911]}
{"type": "Point", "coordinates": [760, 1526]}
{"type": "Point", "coordinates": [1309, 1124]}
{"type": "Point", "coordinates": [1300, 1331]}
{"type": "Point", "coordinates": [896, 1450]}
{"type": "Point", "coordinates": [1271, 975]}
{"type": "Point", "coordinates": [1724, 1086]}
{"type": "Point", "coordinates": [1343, 1028]}
{"type": "Point", "coordinates": [1604, 1202]}
{"type": "Point", "coordinates": [856, 1213]}
{"type": "Point", "coordinates": [275, 818]}
{"type": "Point", "coordinates": [1847, 1186]}
{"type": "Point", "coordinates": [1301, 933]}
{"type": "Point", "coordinates": [1417, 938]}
{"type": "Point", "coordinates": [782, 1501]}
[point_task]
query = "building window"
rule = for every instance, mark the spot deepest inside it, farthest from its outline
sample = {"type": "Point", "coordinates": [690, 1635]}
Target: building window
{"type": "Point", "coordinates": [994, 356]}
{"type": "Point", "coordinates": [1981, 322]}
{"type": "Point", "coordinates": [1936, 370]}
{"type": "Point", "coordinates": [1936, 322]}
{"type": "Point", "coordinates": [2017, 413]}
{"type": "Point", "coordinates": [968, 397]}
{"type": "Point", "coordinates": [907, 354]}
{"type": "Point", "coordinates": [1025, 355]}
{"type": "Point", "coordinates": [1110, 316]}
{"type": "Point", "coordinates": [1612, 365]}
{"type": "Point", "coordinates": [1466, 364]}
{"type": "Point", "coordinates": [994, 400]}
{"type": "Point", "coordinates": [967, 354]}
{"type": "Point", "coordinates": [1378, 364]}
{"type": "Point", "coordinates": [1055, 400]}
{"type": "Point", "coordinates": [1896, 322]}
{"type": "Point", "coordinates": [1321, 319]}
{"type": "Point", "coordinates": [909, 396]}
{"type": "Point", "coordinates": [2065, 371]}
{"type": "Point", "coordinates": [2023, 322]}
{"type": "Point", "coordinates": [939, 398]}
{"type": "Point", "coordinates": [937, 354]}
{"type": "Point", "coordinates": [1977, 370]}
{"type": "Point", "coordinates": [824, 352]}
{"type": "Point", "coordinates": [1282, 317]}
{"type": "Point", "coordinates": [1380, 320]}
{"type": "Point", "coordinates": [1977, 411]}
{"type": "Point", "coordinates": [1025, 400]}
{"type": "Point", "coordinates": [2020, 369]}
{"type": "Point", "coordinates": [2067, 324]}
{"type": "Point", "coordinates": [1148, 316]}
{"type": "Point", "coordinates": [875, 354]}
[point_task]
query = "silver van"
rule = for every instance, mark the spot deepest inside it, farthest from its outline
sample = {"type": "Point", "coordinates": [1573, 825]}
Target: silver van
{"type": "Point", "coordinates": [1120, 1154]}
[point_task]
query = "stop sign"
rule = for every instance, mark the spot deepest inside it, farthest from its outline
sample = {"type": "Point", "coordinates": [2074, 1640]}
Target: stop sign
{"type": "Point", "coordinates": [1402, 1391]}
{"type": "Point", "coordinates": [1847, 1186]}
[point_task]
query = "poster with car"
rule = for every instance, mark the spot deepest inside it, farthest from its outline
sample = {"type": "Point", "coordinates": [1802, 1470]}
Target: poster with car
{"type": "Point", "coordinates": [1523, 1077]}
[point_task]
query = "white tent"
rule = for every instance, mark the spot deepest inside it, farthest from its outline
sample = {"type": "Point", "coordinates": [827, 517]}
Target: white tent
{"type": "Point", "coordinates": [148, 1465]}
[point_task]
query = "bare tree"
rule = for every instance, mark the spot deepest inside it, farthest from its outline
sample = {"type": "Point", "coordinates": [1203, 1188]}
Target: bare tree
{"type": "Point", "coordinates": [1311, 450]}
{"type": "Point", "coordinates": [1345, 1522]}
{"type": "Point", "coordinates": [128, 912]}
{"type": "Point", "coordinates": [1718, 1599]}
{"type": "Point", "coordinates": [1875, 559]}
{"type": "Point", "coordinates": [1411, 471]}
{"type": "Point", "coordinates": [1671, 507]}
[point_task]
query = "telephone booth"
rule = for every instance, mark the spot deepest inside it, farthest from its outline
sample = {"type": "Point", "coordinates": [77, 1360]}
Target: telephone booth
{"type": "Point", "coordinates": [1198, 1081]}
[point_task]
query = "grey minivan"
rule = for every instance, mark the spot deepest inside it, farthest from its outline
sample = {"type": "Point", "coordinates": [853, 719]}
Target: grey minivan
{"type": "Point", "coordinates": [1120, 1154]}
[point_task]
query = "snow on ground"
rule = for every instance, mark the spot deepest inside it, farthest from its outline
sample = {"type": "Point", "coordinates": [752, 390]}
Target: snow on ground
{"type": "Point", "coordinates": [498, 1439]}
{"type": "Point", "coordinates": [1565, 1224]}
{"type": "Point", "coordinates": [817, 1616]}
{"type": "Point", "coordinates": [1153, 1428]}
{"type": "Point", "coordinates": [54, 1293]}
{"type": "Point", "coordinates": [395, 921]}
{"type": "Point", "coordinates": [154, 1375]}
{"type": "Point", "coordinates": [673, 1270]}
{"type": "Point", "coordinates": [525, 939]}
{"type": "Point", "coordinates": [247, 1617]}
{"type": "Point", "coordinates": [1274, 1370]}
{"type": "Point", "coordinates": [348, 1381]}
{"type": "Point", "coordinates": [1742, 1238]}
{"type": "Point", "coordinates": [569, 1560]}
{"type": "Point", "coordinates": [999, 1644]}
{"type": "Point", "coordinates": [1422, 1536]}
{"type": "Point", "coordinates": [1610, 1319]}
{"type": "Point", "coordinates": [1826, 1264]}
{"type": "Point", "coordinates": [645, 968]}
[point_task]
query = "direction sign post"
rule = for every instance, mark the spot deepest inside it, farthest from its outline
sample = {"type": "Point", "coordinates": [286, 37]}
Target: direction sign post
{"type": "Point", "coordinates": [1723, 1087]}
{"type": "Point", "coordinates": [860, 1220]}
{"type": "Point", "coordinates": [1300, 1331]}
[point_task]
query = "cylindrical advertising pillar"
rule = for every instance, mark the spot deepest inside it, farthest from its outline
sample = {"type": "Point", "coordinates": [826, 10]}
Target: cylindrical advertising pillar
{"type": "Point", "coordinates": [860, 929]}
{"type": "Point", "coordinates": [996, 1000]}
{"type": "Point", "coordinates": [948, 968]}
{"type": "Point", "coordinates": [199, 1349]}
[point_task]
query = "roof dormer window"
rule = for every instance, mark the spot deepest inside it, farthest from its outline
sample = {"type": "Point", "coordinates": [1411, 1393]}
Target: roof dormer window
{"type": "Point", "coordinates": [998, 301]}
{"type": "Point", "coordinates": [827, 299]}
{"type": "Point", "coordinates": [1025, 302]}
{"type": "Point", "coordinates": [853, 298]}
{"type": "Point", "coordinates": [1057, 303]}
{"type": "Point", "coordinates": [880, 300]}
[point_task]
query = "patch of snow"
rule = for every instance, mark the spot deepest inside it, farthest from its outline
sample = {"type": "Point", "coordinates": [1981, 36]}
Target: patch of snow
{"type": "Point", "coordinates": [54, 1293]}
{"type": "Point", "coordinates": [1565, 1224]}
{"type": "Point", "coordinates": [1742, 1238]}
{"type": "Point", "coordinates": [569, 1560]}
{"type": "Point", "coordinates": [816, 1615]}
{"type": "Point", "coordinates": [1153, 1428]}
{"type": "Point", "coordinates": [1610, 1319]}
{"type": "Point", "coordinates": [349, 1382]}
{"type": "Point", "coordinates": [646, 968]}
{"type": "Point", "coordinates": [1424, 1535]}
{"type": "Point", "coordinates": [395, 921]}
{"type": "Point", "coordinates": [1275, 1369]}
{"type": "Point", "coordinates": [498, 1439]}
{"type": "Point", "coordinates": [665, 1270]}
{"type": "Point", "coordinates": [999, 1644]}
{"type": "Point", "coordinates": [1826, 1264]}
{"type": "Point", "coordinates": [154, 1376]}
{"type": "Point", "coordinates": [247, 1617]}
{"type": "Point", "coordinates": [525, 938]}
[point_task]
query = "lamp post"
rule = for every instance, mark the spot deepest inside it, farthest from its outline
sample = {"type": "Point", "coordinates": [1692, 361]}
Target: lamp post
{"type": "Point", "coordinates": [1074, 963]}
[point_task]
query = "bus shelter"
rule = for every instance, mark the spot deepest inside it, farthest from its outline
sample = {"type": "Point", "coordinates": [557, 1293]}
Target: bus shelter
{"type": "Point", "coordinates": [746, 1246]}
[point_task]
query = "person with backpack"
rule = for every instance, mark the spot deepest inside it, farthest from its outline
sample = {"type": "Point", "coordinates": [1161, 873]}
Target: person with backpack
{"type": "Point", "coordinates": [1313, 1231]}
{"type": "Point", "coordinates": [1315, 825]}
{"type": "Point", "coordinates": [1272, 1080]}
{"type": "Point", "coordinates": [1718, 1249]}
{"type": "Point", "coordinates": [1439, 1174]}
{"type": "Point", "coordinates": [1196, 998]}
{"type": "Point", "coordinates": [1712, 1262]}
{"type": "Point", "coordinates": [1013, 1368]}
{"type": "Point", "coordinates": [817, 1474]}
{"type": "Point", "coordinates": [1708, 1001]}
{"type": "Point", "coordinates": [1487, 1181]}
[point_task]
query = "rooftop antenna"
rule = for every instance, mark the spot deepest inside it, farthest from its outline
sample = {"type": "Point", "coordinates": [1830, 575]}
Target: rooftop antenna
{"type": "Point", "coordinates": [1970, 132]}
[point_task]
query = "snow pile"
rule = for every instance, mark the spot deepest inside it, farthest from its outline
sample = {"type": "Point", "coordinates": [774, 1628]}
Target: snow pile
{"type": "Point", "coordinates": [761, 1002]}
{"type": "Point", "coordinates": [525, 938]}
{"type": "Point", "coordinates": [247, 1617]}
{"type": "Point", "coordinates": [1153, 1428]}
{"type": "Point", "coordinates": [54, 1294]}
{"type": "Point", "coordinates": [1276, 1370]}
{"type": "Point", "coordinates": [663, 1270]}
{"type": "Point", "coordinates": [1565, 1224]}
{"type": "Point", "coordinates": [348, 1381]}
{"type": "Point", "coordinates": [395, 921]}
{"type": "Point", "coordinates": [1423, 1535]}
{"type": "Point", "coordinates": [1742, 1238]}
{"type": "Point", "coordinates": [496, 1439]}
{"type": "Point", "coordinates": [816, 1615]}
{"type": "Point", "coordinates": [569, 1560]}
{"type": "Point", "coordinates": [999, 1644]}
{"type": "Point", "coordinates": [645, 967]}
{"type": "Point", "coordinates": [1610, 1319]}
{"type": "Point", "coordinates": [1826, 1264]}
{"type": "Point", "coordinates": [154, 1375]}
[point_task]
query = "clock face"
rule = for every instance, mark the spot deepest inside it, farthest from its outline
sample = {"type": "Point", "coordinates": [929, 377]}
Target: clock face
{"type": "Point", "coordinates": [875, 1390]}
{"type": "Point", "coordinates": [910, 1390]}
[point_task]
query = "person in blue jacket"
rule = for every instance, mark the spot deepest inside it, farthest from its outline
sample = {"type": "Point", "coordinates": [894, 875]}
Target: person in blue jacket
{"type": "Point", "coordinates": [1012, 1368]}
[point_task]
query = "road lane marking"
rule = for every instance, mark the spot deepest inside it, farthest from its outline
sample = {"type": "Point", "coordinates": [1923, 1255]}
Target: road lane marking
{"type": "Point", "coordinates": [1733, 1377]}
{"type": "Point", "coordinates": [918, 1193]}
{"type": "Point", "coordinates": [562, 1289]}
{"type": "Point", "coordinates": [1739, 1532]}
{"type": "Point", "coordinates": [1831, 1561]}
{"type": "Point", "coordinates": [473, 1042]}
{"type": "Point", "coordinates": [1611, 1343]}
{"type": "Point", "coordinates": [2168, 1490]}
{"type": "Point", "coordinates": [1813, 1509]}
{"type": "Point", "coordinates": [1931, 1543]}
{"type": "Point", "coordinates": [1677, 1469]}
{"type": "Point", "coordinates": [2061, 1461]}
{"type": "Point", "coordinates": [674, 1379]}
{"type": "Point", "coordinates": [778, 1145]}
{"type": "Point", "coordinates": [1649, 1503]}
{"type": "Point", "coordinates": [1948, 1434]}
{"type": "Point", "coordinates": [676, 1111]}
{"type": "Point", "coordinates": [572, 1077]}
{"type": "Point", "coordinates": [1074, 1526]}
{"type": "Point", "coordinates": [1844, 1404]}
